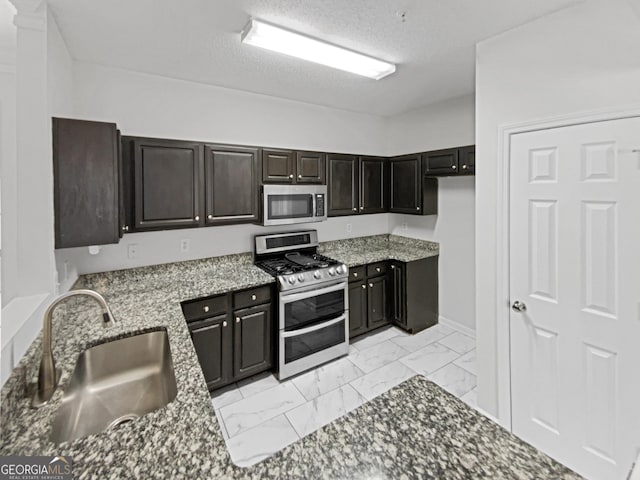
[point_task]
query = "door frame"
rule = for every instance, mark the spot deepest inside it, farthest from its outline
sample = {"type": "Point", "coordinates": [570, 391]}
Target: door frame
{"type": "Point", "coordinates": [502, 277]}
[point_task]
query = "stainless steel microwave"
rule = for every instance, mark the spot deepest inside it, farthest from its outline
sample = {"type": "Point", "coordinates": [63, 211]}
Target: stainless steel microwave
{"type": "Point", "coordinates": [288, 204]}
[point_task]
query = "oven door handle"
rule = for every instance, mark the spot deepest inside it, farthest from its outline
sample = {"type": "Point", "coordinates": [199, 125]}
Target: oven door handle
{"type": "Point", "coordinates": [312, 293]}
{"type": "Point", "coordinates": [304, 331]}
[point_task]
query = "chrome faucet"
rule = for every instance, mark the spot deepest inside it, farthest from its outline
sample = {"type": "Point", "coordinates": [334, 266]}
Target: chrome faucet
{"type": "Point", "coordinates": [48, 376]}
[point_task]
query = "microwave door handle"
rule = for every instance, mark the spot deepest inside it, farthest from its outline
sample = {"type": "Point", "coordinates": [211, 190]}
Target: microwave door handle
{"type": "Point", "coordinates": [313, 205]}
{"type": "Point", "coordinates": [304, 331]}
{"type": "Point", "coordinates": [313, 293]}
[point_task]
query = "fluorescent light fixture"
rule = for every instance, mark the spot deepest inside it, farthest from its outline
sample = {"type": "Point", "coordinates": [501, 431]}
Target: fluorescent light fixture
{"type": "Point", "coordinates": [270, 37]}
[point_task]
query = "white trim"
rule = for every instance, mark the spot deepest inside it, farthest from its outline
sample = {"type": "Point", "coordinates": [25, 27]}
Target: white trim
{"type": "Point", "coordinates": [505, 133]}
{"type": "Point", "coordinates": [457, 326]}
{"type": "Point", "coordinates": [17, 312]}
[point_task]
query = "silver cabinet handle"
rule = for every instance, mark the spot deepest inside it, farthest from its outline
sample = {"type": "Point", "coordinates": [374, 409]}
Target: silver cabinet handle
{"type": "Point", "coordinates": [364, 286]}
{"type": "Point", "coordinates": [210, 217]}
{"type": "Point", "coordinates": [378, 269]}
{"type": "Point", "coordinates": [519, 306]}
{"type": "Point", "coordinates": [291, 175]}
{"type": "Point", "coordinates": [125, 228]}
{"type": "Point", "coordinates": [418, 208]}
{"type": "Point", "coordinates": [371, 285]}
{"type": "Point", "coordinates": [299, 175]}
{"type": "Point", "coordinates": [464, 167]}
{"type": "Point", "coordinates": [361, 208]}
{"type": "Point", "coordinates": [355, 274]}
{"type": "Point", "coordinates": [205, 308]}
{"type": "Point", "coordinates": [253, 297]}
{"type": "Point", "coordinates": [454, 167]}
{"type": "Point", "coordinates": [355, 209]}
{"type": "Point", "coordinates": [393, 267]}
{"type": "Point", "coordinates": [224, 324]}
{"type": "Point", "coordinates": [197, 218]}
{"type": "Point", "coordinates": [237, 319]}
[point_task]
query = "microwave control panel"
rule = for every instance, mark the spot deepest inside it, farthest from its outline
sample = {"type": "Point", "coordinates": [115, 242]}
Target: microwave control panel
{"type": "Point", "coordinates": [319, 205]}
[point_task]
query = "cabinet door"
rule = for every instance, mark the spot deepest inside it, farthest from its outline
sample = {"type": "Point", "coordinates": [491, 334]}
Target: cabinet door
{"type": "Point", "coordinates": [168, 184]}
{"type": "Point", "coordinates": [406, 185]}
{"type": "Point", "coordinates": [342, 184]}
{"type": "Point", "coordinates": [357, 308]}
{"type": "Point", "coordinates": [310, 167]}
{"type": "Point", "coordinates": [441, 162]}
{"type": "Point", "coordinates": [231, 184]}
{"type": "Point", "coordinates": [377, 309]}
{"type": "Point", "coordinates": [86, 174]}
{"type": "Point", "coordinates": [277, 166]}
{"type": "Point", "coordinates": [373, 185]}
{"type": "Point", "coordinates": [252, 340]}
{"type": "Point", "coordinates": [467, 160]}
{"type": "Point", "coordinates": [212, 343]}
{"type": "Point", "coordinates": [398, 293]}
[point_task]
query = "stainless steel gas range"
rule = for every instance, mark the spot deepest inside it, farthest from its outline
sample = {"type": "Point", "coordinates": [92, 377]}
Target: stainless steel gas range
{"type": "Point", "coordinates": [313, 305]}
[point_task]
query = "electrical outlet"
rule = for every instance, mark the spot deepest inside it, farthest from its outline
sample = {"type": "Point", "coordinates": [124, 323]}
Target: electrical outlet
{"type": "Point", "coordinates": [132, 251]}
{"type": "Point", "coordinates": [405, 226]}
{"type": "Point", "coordinates": [349, 227]}
{"type": "Point", "coordinates": [185, 244]}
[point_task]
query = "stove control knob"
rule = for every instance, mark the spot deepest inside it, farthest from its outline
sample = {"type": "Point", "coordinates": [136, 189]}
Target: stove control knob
{"type": "Point", "coordinates": [301, 278]}
{"type": "Point", "coordinates": [332, 271]}
{"type": "Point", "coordinates": [291, 280]}
{"type": "Point", "coordinates": [317, 275]}
{"type": "Point", "coordinates": [341, 269]}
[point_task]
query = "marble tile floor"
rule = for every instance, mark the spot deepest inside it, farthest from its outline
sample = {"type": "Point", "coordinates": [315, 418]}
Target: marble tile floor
{"type": "Point", "coordinates": [260, 416]}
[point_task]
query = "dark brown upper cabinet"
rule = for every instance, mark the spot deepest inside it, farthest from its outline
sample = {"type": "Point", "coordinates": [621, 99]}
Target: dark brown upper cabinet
{"type": "Point", "coordinates": [467, 160]}
{"type": "Point", "coordinates": [410, 192]}
{"type": "Point", "coordinates": [310, 167]}
{"type": "Point", "coordinates": [450, 161]}
{"type": "Point", "coordinates": [231, 184]}
{"type": "Point", "coordinates": [373, 185]}
{"type": "Point", "coordinates": [87, 176]}
{"type": "Point", "coordinates": [277, 166]}
{"type": "Point", "coordinates": [342, 177]}
{"type": "Point", "coordinates": [287, 166]}
{"type": "Point", "coordinates": [168, 184]}
{"type": "Point", "coordinates": [405, 177]}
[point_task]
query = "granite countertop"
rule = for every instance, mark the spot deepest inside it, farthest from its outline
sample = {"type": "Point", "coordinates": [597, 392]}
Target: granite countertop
{"type": "Point", "coordinates": [363, 250]}
{"type": "Point", "coordinates": [429, 434]}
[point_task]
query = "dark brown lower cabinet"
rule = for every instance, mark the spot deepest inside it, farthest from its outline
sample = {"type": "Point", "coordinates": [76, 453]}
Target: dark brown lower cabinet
{"type": "Point", "coordinates": [357, 308]}
{"type": "Point", "coordinates": [414, 293]}
{"type": "Point", "coordinates": [232, 342]}
{"type": "Point", "coordinates": [252, 340]}
{"type": "Point", "coordinates": [368, 304]}
{"type": "Point", "coordinates": [211, 339]}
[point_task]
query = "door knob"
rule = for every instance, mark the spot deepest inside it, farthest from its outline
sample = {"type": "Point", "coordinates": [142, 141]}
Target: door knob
{"type": "Point", "coordinates": [519, 306]}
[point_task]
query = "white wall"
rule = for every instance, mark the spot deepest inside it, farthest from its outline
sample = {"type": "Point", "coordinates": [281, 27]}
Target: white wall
{"type": "Point", "coordinates": [150, 105]}
{"type": "Point", "coordinates": [444, 124]}
{"type": "Point", "coordinates": [578, 60]}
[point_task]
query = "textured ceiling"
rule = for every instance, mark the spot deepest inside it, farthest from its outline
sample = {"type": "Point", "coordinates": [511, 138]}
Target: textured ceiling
{"type": "Point", "coordinates": [199, 40]}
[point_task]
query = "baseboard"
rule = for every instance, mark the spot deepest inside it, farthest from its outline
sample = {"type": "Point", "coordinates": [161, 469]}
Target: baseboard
{"type": "Point", "coordinates": [457, 326]}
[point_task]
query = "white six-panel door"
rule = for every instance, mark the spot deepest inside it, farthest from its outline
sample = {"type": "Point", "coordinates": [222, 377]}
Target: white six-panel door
{"type": "Point", "coordinates": [575, 265]}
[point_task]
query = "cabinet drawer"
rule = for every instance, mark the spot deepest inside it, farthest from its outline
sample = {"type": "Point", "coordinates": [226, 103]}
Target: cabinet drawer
{"type": "Point", "coordinates": [375, 269]}
{"type": "Point", "coordinates": [255, 296]}
{"type": "Point", "coordinates": [208, 307]}
{"type": "Point", "coordinates": [357, 273]}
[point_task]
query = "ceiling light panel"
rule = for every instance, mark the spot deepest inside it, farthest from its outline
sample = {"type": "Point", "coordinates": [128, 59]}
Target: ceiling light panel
{"type": "Point", "coordinates": [271, 37]}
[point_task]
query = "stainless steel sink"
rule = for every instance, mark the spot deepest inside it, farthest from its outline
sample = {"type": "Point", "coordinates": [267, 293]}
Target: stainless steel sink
{"type": "Point", "coordinates": [114, 383]}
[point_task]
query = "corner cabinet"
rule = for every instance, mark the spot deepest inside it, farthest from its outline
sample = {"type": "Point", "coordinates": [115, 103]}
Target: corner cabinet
{"type": "Point", "coordinates": [168, 184]}
{"type": "Point", "coordinates": [87, 176]}
{"type": "Point", "coordinates": [231, 184]}
{"type": "Point", "coordinates": [414, 293]}
{"type": "Point", "coordinates": [410, 192]}
{"type": "Point", "coordinates": [233, 334]}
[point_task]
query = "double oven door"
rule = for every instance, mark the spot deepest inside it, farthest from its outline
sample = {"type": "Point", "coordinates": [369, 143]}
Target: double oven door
{"type": "Point", "coordinates": [314, 327]}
